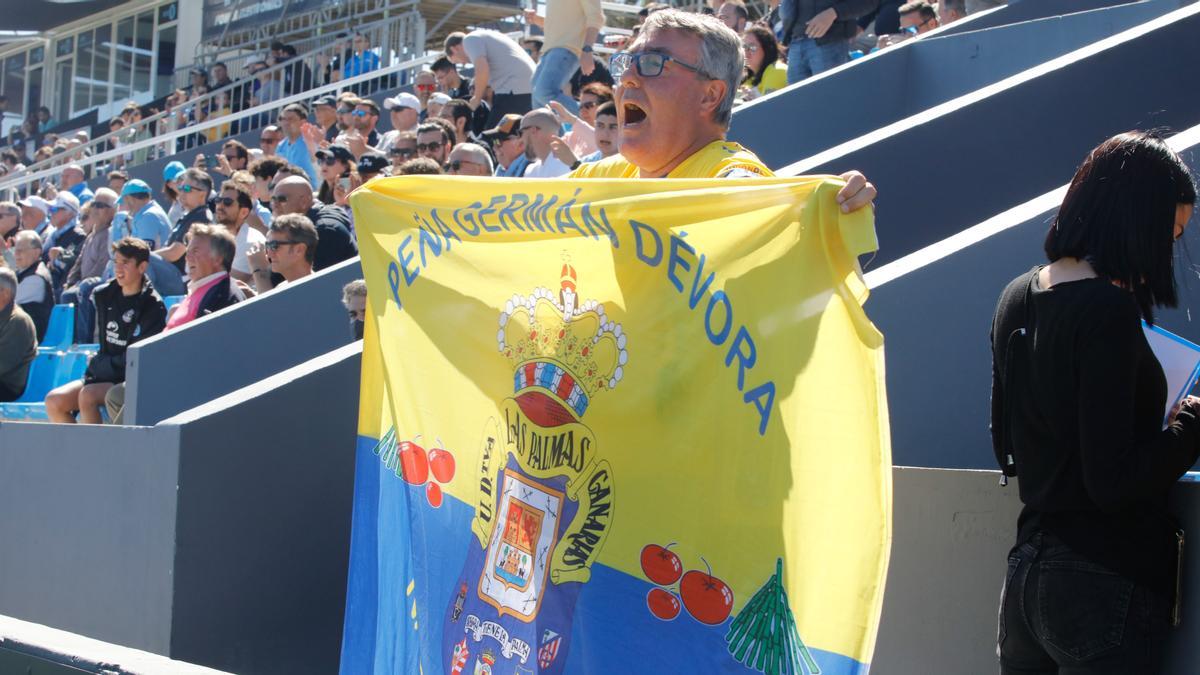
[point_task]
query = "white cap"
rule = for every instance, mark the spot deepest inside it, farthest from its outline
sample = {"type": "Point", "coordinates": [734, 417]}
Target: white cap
{"type": "Point", "coordinates": [440, 98]}
{"type": "Point", "coordinates": [403, 100]}
{"type": "Point", "coordinates": [37, 203]}
{"type": "Point", "coordinates": [66, 200]}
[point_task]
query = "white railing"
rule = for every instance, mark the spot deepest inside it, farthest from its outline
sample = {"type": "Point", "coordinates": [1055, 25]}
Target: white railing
{"type": "Point", "coordinates": [400, 36]}
{"type": "Point", "coordinates": [27, 182]}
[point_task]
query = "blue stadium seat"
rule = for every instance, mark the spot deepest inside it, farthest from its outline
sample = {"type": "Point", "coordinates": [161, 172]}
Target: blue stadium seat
{"type": "Point", "coordinates": [60, 332]}
{"type": "Point", "coordinates": [172, 300]}
{"type": "Point", "coordinates": [43, 376]}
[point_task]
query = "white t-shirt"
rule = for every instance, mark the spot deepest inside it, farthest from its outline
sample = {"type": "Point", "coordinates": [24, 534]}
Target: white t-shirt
{"type": "Point", "coordinates": [245, 237]}
{"type": "Point", "coordinates": [550, 167]}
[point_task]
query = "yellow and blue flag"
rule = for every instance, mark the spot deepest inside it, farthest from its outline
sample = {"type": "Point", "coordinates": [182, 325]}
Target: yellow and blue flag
{"type": "Point", "coordinates": [616, 426]}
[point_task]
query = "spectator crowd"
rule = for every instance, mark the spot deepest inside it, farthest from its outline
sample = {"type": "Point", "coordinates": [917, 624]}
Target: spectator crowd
{"type": "Point", "coordinates": [244, 221]}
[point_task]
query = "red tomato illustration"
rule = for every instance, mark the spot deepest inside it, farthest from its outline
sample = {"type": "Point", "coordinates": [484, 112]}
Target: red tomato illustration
{"type": "Point", "coordinates": [441, 464]}
{"type": "Point", "coordinates": [434, 494]}
{"type": "Point", "coordinates": [413, 463]}
{"type": "Point", "coordinates": [662, 604]}
{"type": "Point", "coordinates": [660, 565]}
{"type": "Point", "coordinates": [708, 599]}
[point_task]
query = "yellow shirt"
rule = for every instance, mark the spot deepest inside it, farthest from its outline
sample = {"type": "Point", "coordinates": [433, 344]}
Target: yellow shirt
{"type": "Point", "coordinates": [719, 159]}
{"type": "Point", "coordinates": [567, 22]}
{"type": "Point", "coordinates": [773, 79]}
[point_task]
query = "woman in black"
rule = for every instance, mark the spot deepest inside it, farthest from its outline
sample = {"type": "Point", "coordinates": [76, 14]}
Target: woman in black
{"type": "Point", "coordinates": [1077, 416]}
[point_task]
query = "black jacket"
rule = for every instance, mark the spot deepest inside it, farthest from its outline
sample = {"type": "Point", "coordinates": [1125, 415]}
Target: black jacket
{"type": "Point", "coordinates": [118, 330]}
{"type": "Point", "coordinates": [334, 243]}
{"type": "Point", "coordinates": [39, 311]}
{"type": "Point", "coordinates": [217, 298]}
{"type": "Point", "coordinates": [796, 13]}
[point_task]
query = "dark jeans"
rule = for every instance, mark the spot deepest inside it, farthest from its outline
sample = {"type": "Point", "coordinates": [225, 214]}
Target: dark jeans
{"type": "Point", "coordinates": [1061, 613]}
{"type": "Point", "coordinates": [503, 104]}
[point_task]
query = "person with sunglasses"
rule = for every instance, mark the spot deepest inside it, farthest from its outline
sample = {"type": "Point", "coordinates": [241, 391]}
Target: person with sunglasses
{"type": "Point", "coordinates": [404, 112]}
{"type": "Point", "coordinates": [674, 107]}
{"type": "Point", "coordinates": [433, 142]}
{"type": "Point", "coordinates": [293, 196]}
{"type": "Point", "coordinates": [333, 161]}
{"type": "Point", "coordinates": [916, 18]}
{"type": "Point", "coordinates": [234, 206]}
{"type": "Point", "coordinates": [469, 159]}
{"type": "Point", "coordinates": [403, 149]}
{"type": "Point", "coordinates": [425, 86]}
{"type": "Point", "coordinates": [194, 188]}
{"type": "Point", "coordinates": [508, 147]}
{"type": "Point", "coordinates": [87, 268]}
{"type": "Point", "coordinates": [364, 119]}
{"type": "Point", "coordinates": [268, 140]}
{"type": "Point", "coordinates": [289, 251]}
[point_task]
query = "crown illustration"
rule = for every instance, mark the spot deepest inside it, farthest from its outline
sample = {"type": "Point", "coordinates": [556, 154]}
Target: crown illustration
{"type": "Point", "coordinates": [560, 346]}
{"type": "Point", "coordinates": [488, 657]}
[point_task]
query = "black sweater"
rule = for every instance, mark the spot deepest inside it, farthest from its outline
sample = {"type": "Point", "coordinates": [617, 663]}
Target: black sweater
{"type": "Point", "coordinates": [1084, 425]}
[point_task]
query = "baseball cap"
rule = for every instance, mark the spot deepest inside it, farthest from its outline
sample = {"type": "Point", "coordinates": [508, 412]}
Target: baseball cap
{"type": "Point", "coordinates": [439, 98]}
{"type": "Point", "coordinates": [326, 100]}
{"type": "Point", "coordinates": [403, 100]}
{"type": "Point", "coordinates": [509, 125]}
{"type": "Point", "coordinates": [337, 151]}
{"type": "Point", "coordinates": [65, 200]}
{"type": "Point", "coordinates": [37, 203]}
{"type": "Point", "coordinates": [172, 171]}
{"type": "Point", "coordinates": [372, 162]}
{"type": "Point", "coordinates": [135, 187]}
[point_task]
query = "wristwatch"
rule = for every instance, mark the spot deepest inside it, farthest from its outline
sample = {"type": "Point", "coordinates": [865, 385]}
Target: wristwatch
{"type": "Point", "coordinates": [576, 164]}
{"type": "Point", "coordinates": [587, 48]}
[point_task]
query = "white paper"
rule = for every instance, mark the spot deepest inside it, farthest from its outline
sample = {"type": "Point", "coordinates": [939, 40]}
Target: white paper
{"type": "Point", "coordinates": [1180, 361]}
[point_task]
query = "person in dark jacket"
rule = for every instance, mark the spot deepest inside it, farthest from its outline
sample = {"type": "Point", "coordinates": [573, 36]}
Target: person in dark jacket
{"type": "Point", "coordinates": [335, 244]}
{"type": "Point", "coordinates": [128, 310]}
{"type": "Point", "coordinates": [818, 33]}
{"type": "Point", "coordinates": [18, 340]}
{"type": "Point", "coordinates": [35, 292]}
{"type": "Point", "coordinates": [1079, 416]}
{"type": "Point", "coordinates": [210, 253]}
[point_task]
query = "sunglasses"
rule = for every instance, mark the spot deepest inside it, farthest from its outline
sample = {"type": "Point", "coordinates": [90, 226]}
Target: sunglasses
{"type": "Point", "coordinates": [279, 199]}
{"type": "Point", "coordinates": [345, 111]}
{"type": "Point", "coordinates": [750, 49]}
{"type": "Point", "coordinates": [455, 165]}
{"type": "Point", "coordinates": [647, 64]}
{"type": "Point", "coordinates": [267, 141]}
{"type": "Point", "coordinates": [190, 188]}
{"type": "Point", "coordinates": [424, 87]}
{"type": "Point", "coordinates": [276, 245]}
{"type": "Point", "coordinates": [226, 201]}
{"type": "Point", "coordinates": [359, 113]}
{"type": "Point", "coordinates": [330, 161]}
{"type": "Point", "coordinates": [428, 147]}
{"type": "Point", "coordinates": [232, 158]}
{"type": "Point", "coordinates": [100, 205]}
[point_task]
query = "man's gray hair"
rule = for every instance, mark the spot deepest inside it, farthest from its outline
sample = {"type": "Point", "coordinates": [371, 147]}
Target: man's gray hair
{"type": "Point", "coordinates": [356, 287]}
{"type": "Point", "coordinates": [474, 153]}
{"type": "Point", "coordinates": [29, 238]}
{"type": "Point", "coordinates": [721, 55]}
{"type": "Point", "coordinates": [8, 280]}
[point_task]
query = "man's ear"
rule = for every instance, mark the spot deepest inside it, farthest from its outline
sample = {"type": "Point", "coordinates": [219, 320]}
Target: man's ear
{"type": "Point", "coordinates": [714, 95]}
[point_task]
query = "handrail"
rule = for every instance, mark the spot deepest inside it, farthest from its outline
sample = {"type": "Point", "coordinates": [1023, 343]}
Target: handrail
{"type": "Point", "coordinates": [27, 179]}
{"type": "Point", "coordinates": [152, 121]}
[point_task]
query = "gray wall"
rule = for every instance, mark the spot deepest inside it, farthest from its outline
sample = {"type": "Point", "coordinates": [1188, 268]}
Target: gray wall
{"type": "Point", "coordinates": [217, 354]}
{"type": "Point", "coordinates": [220, 537]}
{"type": "Point", "coordinates": [86, 531]}
{"type": "Point", "coordinates": [916, 75]}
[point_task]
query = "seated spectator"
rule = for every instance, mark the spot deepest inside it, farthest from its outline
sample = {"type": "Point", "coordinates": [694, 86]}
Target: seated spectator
{"type": "Point", "coordinates": [211, 252]}
{"type": "Point", "coordinates": [607, 132]}
{"type": "Point", "coordinates": [509, 146]}
{"type": "Point", "coordinates": [147, 221]}
{"type": "Point", "coordinates": [128, 310]}
{"type": "Point", "coordinates": [292, 196]}
{"type": "Point", "coordinates": [35, 291]}
{"type": "Point", "coordinates": [235, 156]}
{"type": "Point", "coordinates": [88, 269]}
{"type": "Point", "coordinates": [733, 13]}
{"type": "Point", "coordinates": [74, 181]}
{"type": "Point", "coordinates": [364, 120]}
{"type": "Point", "coordinates": [269, 139]}
{"type": "Point", "coordinates": [289, 251]}
{"type": "Point", "coordinates": [950, 11]}
{"type": "Point", "coordinates": [264, 171]}
{"type": "Point", "coordinates": [372, 165]}
{"type": "Point", "coordinates": [171, 175]}
{"type": "Point", "coordinates": [18, 340]}
{"type": "Point", "coordinates": [334, 160]}
{"type": "Point", "coordinates": [458, 112]}
{"type": "Point", "coordinates": [346, 102]}
{"type": "Point", "coordinates": [469, 159]}
{"type": "Point", "coordinates": [764, 72]}
{"type": "Point", "coordinates": [419, 166]}
{"type": "Point", "coordinates": [117, 180]}
{"type": "Point", "coordinates": [582, 136]}
{"type": "Point", "coordinates": [424, 86]}
{"type": "Point", "coordinates": [10, 224]}
{"type": "Point", "coordinates": [539, 128]}
{"type": "Point", "coordinates": [363, 60]}
{"type": "Point", "coordinates": [916, 18]}
{"type": "Point", "coordinates": [194, 188]}
{"type": "Point", "coordinates": [435, 105]}
{"type": "Point", "coordinates": [354, 299]}
{"type": "Point", "coordinates": [501, 64]}
{"type": "Point", "coordinates": [451, 135]}
{"type": "Point", "coordinates": [267, 87]}
{"type": "Point", "coordinates": [294, 147]}
{"type": "Point", "coordinates": [404, 110]}
{"type": "Point", "coordinates": [433, 142]}
{"type": "Point", "coordinates": [325, 112]}
{"type": "Point", "coordinates": [450, 81]}
{"type": "Point", "coordinates": [598, 75]}
{"type": "Point", "coordinates": [403, 148]}
{"type": "Point", "coordinates": [260, 215]}
{"type": "Point", "coordinates": [34, 212]}
{"type": "Point", "coordinates": [65, 236]}
{"type": "Point", "coordinates": [234, 206]}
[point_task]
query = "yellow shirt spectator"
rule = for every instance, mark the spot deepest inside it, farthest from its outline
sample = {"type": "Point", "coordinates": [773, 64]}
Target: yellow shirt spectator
{"type": "Point", "coordinates": [719, 159]}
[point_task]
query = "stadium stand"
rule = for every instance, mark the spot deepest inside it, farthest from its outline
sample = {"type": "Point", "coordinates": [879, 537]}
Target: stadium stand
{"type": "Point", "coordinates": [188, 494]}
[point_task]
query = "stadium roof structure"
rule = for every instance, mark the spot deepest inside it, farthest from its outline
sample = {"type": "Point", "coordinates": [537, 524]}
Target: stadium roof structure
{"type": "Point", "coordinates": [443, 17]}
{"type": "Point", "coordinates": [43, 15]}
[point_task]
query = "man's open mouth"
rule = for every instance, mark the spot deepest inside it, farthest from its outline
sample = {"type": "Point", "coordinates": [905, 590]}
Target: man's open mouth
{"type": "Point", "coordinates": [634, 114]}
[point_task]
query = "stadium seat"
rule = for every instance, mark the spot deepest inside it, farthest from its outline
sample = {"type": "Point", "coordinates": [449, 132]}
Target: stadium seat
{"type": "Point", "coordinates": [60, 332]}
{"type": "Point", "coordinates": [172, 300]}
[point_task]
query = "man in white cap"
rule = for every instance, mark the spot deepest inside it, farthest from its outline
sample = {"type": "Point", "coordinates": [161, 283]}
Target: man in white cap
{"type": "Point", "coordinates": [405, 111]}
{"type": "Point", "coordinates": [34, 210]}
{"type": "Point", "coordinates": [73, 182]}
{"type": "Point", "coordinates": [434, 107]}
{"type": "Point", "coordinates": [64, 229]}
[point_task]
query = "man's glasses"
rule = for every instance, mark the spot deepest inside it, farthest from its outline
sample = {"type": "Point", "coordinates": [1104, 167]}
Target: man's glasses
{"type": "Point", "coordinates": [266, 140]}
{"type": "Point", "coordinates": [276, 245]}
{"type": "Point", "coordinates": [100, 205]}
{"type": "Point", "coordinates": [359, 113]}
{"type": "Point", "coordinates": [279, 199]}
{"type": "Point", "coordinates": [455, 165]}
{"type": "Point", "coordinates": [750, 48]}
{"type": "Point", "coordinates": [190, 188]}
{"type": "Point", "coordinates": [226, 201]}
{"type": "Point", "coordinates": [424, 87]}
{"type": "Point", "coordinates": [232, 158]}
{"type": "Point", "coordinates": [428, 147]}
{"type": "Point", "coordinates": [648, 64]}
{"type": "Point", "coordinates": [345, 111]}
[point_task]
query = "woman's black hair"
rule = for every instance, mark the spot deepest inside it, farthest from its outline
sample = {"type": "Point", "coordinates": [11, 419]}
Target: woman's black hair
{"type": "Point", "coordinates": [1119, 215]}
{"type": "Point", "coordinates": [770, 47]}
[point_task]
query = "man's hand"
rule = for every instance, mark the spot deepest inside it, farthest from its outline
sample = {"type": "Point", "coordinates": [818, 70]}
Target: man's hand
{"type": "Point", "coordinates": [313, 134]}
{"type": "Point", "coordinates": [857, 193]}
{"type": "Point", "coordinates": [356, 143]}
{"type": "Point", "coordinates": [223, 164]}
{"type": "Point", "coordinates": [564, 116]}
{"type": "Point", "coordinates": [257, 255]}
{"type": "Point", "coordinates": [560, 149]}
{"type": "Point", "coordinates": [819, 25]}
{"type": "Point", "coordinates": [198, 163]}
{"type": "Point", "coordinates": [54, 252]}
{"type": "Point", "coordinates": [533, 19]}
{"type": "Point", "coordinates": [587, 63]}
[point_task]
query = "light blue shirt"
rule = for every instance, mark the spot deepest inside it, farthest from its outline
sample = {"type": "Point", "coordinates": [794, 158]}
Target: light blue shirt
{"type": "Point", "coordinates": [298, 153]}
{"type": "Point", "coordinates": [81, 191]}
{"type": "Point", "coordinates": [150, 224]}
{"type": "Point", "coordinates": [264, 214]}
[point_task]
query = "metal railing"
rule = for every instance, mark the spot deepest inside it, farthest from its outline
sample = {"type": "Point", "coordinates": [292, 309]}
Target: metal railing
{"type": "Point", "coordinates": [399, 38]}
{"type": "Point", "coordinates": [250, 118]}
